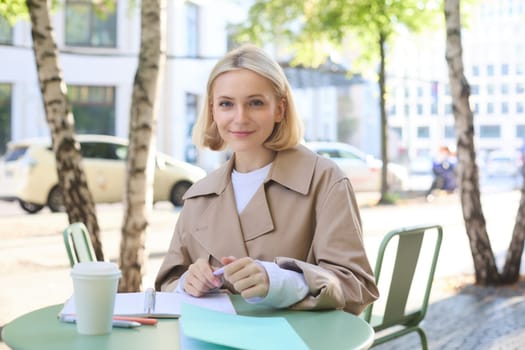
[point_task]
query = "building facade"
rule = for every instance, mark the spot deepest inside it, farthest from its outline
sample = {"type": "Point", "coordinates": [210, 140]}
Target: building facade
{"type": "Point", "coordinates": [98, 56]}
{"type": "Point", "coordinates": [419, 100]}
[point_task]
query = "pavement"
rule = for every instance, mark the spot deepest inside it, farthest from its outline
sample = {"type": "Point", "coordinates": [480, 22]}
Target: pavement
{"type": "Point", "coordinates": [34, 270]}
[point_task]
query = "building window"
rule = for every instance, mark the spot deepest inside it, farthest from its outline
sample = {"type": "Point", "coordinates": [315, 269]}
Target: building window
{"type": "Point", "coordinates": [423, 132]}
{"type": "Point", "coordinates": [520, 88]}
{"type": "Point", "coordinates": [504, 108]}
{"type": "Point", "coordinates": [450, 132]}
{"type": "Point", "coordinates": [93, 108]}
{"type": "Point", "coordinates": [504, 89]}
{"type": "Point", "coordinates": [190, 152]}
{"type": "Point", "coordinates": [490, 70]}
{"type": "Point", "coordinates": [489, 131]}
{"type": "Point", "coordinates": [6, 31]}
{"type": "Point", "coordinates": [407, 109]}
{"type": "Point", "coordinates": [433, 108]}
{"type": "Point", "coordinates": [475, 70]}
{"type": "Point", "coordinates": [393, 110]}
{"type": "Point", "coordinates": [5, 116]}
{"type": "Point", "coordinates": [91, 25]}
{"type": "Point", "coordinates": [448, 108]}
{"type": "Point", "coordinates": [504, 69]}
{"type": "Point", "coordinates": [192, 29]}
{"type": "Point", "coordinates": [520, 69]}
{"type": "Point", "coordinates": [519, 107]}
{"type": "Point", "coordinates": [490, 89]}
{"type": "Point", "coordinates": [398, 131]}
{"type": "Point", "coordinates": [419, 108]}
{"type": "Point", "coordinates": [520, 131]}
{"type": "Point", "coordinates": [474, 89]}
{"type": "Point", "coordinates": [490, 108]}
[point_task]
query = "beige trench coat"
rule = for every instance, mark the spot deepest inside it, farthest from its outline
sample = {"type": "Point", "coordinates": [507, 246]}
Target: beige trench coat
{"type": "Point", "coordinates": [305, 218]}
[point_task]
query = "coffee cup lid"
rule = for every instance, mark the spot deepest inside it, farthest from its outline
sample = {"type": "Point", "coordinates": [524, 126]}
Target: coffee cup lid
{"type": "Point", "coordinates": [95, 269]}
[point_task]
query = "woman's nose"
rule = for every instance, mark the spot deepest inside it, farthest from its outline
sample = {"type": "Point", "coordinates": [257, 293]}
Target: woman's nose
{"type": "Point", "coordinates": [241, 113]}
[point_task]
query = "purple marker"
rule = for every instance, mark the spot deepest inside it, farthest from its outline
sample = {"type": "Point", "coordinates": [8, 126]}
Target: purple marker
{"type": "Point", "coordinates": [219, 271]}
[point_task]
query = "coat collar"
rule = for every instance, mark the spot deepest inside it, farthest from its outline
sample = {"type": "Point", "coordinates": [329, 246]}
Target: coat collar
{"type": "Point", "coordinates": [286, 167]}
{"type": "Point", "coordinates": [291, 168]}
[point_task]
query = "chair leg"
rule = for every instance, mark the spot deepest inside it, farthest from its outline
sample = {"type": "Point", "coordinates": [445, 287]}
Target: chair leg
{"type": "Point", "coordinates": [423, 337]}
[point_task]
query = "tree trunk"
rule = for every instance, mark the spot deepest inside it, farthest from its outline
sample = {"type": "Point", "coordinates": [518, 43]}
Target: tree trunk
{"type": "Point", "coordinates": [141, 152]}
{"type": "Point", "coordinates": [485, 267]}
{"type": "Point", "coordinates": [384, 122]}
{"type": "Point", "coordinates": [71, 177]}
{"type": "Point", "coordinates": [511, 269]}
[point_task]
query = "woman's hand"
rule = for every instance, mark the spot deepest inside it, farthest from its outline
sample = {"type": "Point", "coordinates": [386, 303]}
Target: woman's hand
{"type": "Point", "coordinates": [247, 276]}
{"type": "Point", "coordinates": [199, 279]}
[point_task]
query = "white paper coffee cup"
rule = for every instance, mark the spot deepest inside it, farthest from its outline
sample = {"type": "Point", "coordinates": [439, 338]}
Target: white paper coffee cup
{"type": "Point", "coordinates": [95, 285]}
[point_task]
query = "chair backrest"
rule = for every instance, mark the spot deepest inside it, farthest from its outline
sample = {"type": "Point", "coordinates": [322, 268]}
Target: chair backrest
{"type": "Point", "coordinates": [78, 244]}
{"type": "Point", "coordinates": [402, 286]}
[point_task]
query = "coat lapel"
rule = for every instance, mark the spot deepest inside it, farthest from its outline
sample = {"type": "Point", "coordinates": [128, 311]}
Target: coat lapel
{"type": "Point", "coordinates": [256, 219]}
{"type": "Point", "coordinates": [221, 234]}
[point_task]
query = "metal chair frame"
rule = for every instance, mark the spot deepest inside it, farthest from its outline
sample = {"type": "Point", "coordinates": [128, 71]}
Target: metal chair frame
{"type": "Point", "coordinates": [395, 321]}
{"type": "Point", "coordinates": [78, 244]}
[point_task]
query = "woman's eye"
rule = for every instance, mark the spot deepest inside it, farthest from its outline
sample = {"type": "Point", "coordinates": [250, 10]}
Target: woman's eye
{"type": "Point", "coordinates": [225, 104]}
{"type": "Point", "coordinates": [256, 103]}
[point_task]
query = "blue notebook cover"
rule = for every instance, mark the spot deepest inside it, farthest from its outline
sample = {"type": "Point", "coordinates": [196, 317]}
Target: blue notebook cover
{"type": "Point", "coordinates": [236, 331]}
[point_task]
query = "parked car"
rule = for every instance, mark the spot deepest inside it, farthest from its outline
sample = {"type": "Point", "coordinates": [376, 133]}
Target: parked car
{"type": "Point", "coordinates": [363, 170]}
{"type": "Point", "coordinates": [28, 173]}
{"type": "Point", "coordinates": [502, 163]}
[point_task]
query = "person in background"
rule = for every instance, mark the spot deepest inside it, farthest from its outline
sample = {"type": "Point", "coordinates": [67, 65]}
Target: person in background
{"type": "Point", "coordinates": [444, 171]}
{"type": "Point", "coordinates": [282, 221]}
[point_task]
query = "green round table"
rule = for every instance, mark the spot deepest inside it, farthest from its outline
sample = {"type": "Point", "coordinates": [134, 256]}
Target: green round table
{"type": "Point", "coordinates": [41, 329]}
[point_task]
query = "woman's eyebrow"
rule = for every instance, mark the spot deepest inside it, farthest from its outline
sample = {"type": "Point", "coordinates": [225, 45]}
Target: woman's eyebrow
{"type": "Point", "coordinates": [224, 97]}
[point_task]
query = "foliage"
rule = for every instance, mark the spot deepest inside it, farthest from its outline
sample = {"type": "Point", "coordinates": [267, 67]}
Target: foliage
{"type": "Point", "coordinates": [314, 29]}
{"type": "Point", "coordinates": [12, 10]}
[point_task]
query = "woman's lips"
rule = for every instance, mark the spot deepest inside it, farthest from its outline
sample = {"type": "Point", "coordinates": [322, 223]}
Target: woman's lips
{"type": "Point", "coordinates": [241, 133]}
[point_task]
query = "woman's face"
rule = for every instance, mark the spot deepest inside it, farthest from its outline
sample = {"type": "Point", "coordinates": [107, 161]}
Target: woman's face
{"type": "Point", "coordinates": [245, 109]}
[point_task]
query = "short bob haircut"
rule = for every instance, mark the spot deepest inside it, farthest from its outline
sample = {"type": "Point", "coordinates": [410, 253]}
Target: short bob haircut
{"type": "Point", "coordinates": [286, 134]}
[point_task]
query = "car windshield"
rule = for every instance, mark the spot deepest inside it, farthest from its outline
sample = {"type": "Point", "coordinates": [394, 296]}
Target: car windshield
{"type": "Point", "coordinates": [15, 154]}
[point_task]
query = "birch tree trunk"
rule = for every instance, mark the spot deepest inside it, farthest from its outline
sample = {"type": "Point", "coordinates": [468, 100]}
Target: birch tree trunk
{"type": "Point", "coordinates": [511, 269]}
{"type": "Point", "coordinates": [384, 121]}
{"type": "Point", "coordinates": [141, 153]}
{"type": "Point", "coordinates": [71, 177]}
{"type": "Point", "coordinates": [486, 271]}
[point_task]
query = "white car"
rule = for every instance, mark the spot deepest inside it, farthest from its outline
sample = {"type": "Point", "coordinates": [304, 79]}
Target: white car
{"type": "Point", "coordinates": [502, 163]}
{"type": "Point", "coordinates": [28, 173]}
{"type": "Point", "coordinates": [363, 170]}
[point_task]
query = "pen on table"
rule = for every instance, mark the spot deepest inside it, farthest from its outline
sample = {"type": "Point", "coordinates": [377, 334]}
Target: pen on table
{"type": "Point", "coordinates": [141, 320]}
{"type": "Point", "coordinates": [115, 323]}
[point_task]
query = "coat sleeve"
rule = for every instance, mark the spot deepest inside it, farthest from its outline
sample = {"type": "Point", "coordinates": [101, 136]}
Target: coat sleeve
{"type": "Point", "coordinates": [338, 273]}
{"type": "Point", "coordinates": [176, 261]}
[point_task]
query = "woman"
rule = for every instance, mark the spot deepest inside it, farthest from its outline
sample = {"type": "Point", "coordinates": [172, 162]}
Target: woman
{"type": "Point", "coordinates": [281, 220]}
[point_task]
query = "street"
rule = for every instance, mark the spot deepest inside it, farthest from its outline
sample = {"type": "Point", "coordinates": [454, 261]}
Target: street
{"type": "Point", "coordinates": [34, 268]}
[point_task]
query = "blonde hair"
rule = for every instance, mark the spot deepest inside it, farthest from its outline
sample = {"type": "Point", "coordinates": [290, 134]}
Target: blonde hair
{"type": "Point", "coordinates": [287, 133]}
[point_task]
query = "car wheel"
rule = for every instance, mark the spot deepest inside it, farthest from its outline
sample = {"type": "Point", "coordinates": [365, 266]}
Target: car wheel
{"type": "Point", "coordinates": [177, 192]}
{"type": "Point", "coordinates": [55, 201]}
{"type": "Point", "coordinates": [31, 208]}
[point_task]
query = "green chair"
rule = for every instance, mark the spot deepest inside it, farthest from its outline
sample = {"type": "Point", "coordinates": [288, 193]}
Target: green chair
{"type": "Point", "coordinates": [78, 244]}
{"type": "Point", "coordinates": [405, 290]}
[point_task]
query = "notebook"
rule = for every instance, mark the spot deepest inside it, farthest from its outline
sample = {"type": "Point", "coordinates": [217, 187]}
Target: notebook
{"type": "Point", "coordinates": [202, 328]}
{"type": "Point", "coordinates": [159, 304]}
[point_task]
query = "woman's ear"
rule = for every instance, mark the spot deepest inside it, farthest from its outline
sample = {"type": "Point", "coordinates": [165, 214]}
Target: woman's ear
{"type": "Point", "coordinates": [281, 110]}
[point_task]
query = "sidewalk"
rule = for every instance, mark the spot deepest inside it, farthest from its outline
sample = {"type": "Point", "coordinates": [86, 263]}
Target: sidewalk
{"type": "Point", "coordinates": [471, 318]}
{"type": "Point", "coordinates": [461, 316]}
